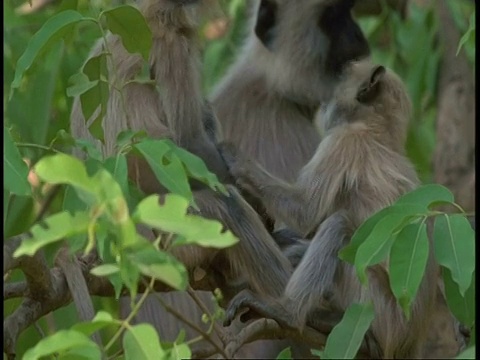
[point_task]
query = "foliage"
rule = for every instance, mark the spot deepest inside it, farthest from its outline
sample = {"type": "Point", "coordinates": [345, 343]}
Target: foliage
{"type": "Point", "coordinates": [99, 207]}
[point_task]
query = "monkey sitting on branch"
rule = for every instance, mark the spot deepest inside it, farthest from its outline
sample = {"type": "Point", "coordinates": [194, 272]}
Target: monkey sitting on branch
{"type": "Point", "coordinates": [358, 169]}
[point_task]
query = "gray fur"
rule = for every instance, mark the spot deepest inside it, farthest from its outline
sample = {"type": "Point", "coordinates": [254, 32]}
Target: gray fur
{"type": "Point", "coordinates": [358, 169]}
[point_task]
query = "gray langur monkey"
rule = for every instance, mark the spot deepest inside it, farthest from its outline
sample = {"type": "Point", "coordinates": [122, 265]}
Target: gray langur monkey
{"type": "Point", "coordinates": [358, 169]}
{"type": "Point", "coordinates": [267, 100]}
{"type": "Point", "coordinates": [179, 112]}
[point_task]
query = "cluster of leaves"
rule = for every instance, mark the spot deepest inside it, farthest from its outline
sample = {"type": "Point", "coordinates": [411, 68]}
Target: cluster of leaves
{"type": "Point", "coordinates": [398, 233]}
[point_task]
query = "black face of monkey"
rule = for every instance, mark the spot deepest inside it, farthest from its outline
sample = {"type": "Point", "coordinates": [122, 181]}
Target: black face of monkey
{"type": "Point", "coordinates": [347, 42]}
{"type": "Point", "coordinates": [344, 39]}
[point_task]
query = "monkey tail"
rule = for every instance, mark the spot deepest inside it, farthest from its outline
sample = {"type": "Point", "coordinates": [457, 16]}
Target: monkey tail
{"type": "Point", "coordinates": [314, 277]}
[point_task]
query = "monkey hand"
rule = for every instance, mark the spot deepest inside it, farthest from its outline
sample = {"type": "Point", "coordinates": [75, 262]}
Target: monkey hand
{"type": "Point", "coordinates": [256, 309]}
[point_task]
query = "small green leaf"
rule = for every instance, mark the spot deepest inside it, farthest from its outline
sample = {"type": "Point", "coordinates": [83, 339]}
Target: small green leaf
{"type": "Point", "coordinates": [100, 321]}
{"type": "Point", "coordinates": [346, 337]}
{"type": "Point", "coordinates": [141, 342]}
{"type": "Point", "coordinates": [15, 169]}
{"type": "Point", "coordinates": [196, 168]}
{"type": "Point", "coordinates": [399, 214]}
{"type": "Point", "coordinates": [454, 244]}
{"type": "Point", "coordinates": [130, 24]}
{"type": "Point", "coordinates": [160, 265]}
{"type": "Point", "coordinates": [79, 85]}
{"type": "Point", "coordinates": [105, 270]}
{"type": "Point", "coordinates": [174, 177]}
{"type": "Point", "coordinates": [64, 169]}
{"type": "Point", "coordinates": [425, 195]}
{"type": "Point", "coordinates": [285, 354]}
{"type": "Point", "coordinates": [53, 28]}
{"type": "Point", "coordinates": [179, 352]}
{"type": "Point", "coordinates": [58, 227]}
{"type": "Point", "coordinates": [463, 307]}
{"type": "Point", "coordinates": [376, 246]}
{"type": "Point", "coordinates": [469, 353]}
{"type": "Point", "coordinates": [172, 217]}
{"type": "Point", "coordinates": [61, 342]}
{"type": "Point", "coordinates": [96, 67]}
{"type": "Point", "coordinates": [408, 260]}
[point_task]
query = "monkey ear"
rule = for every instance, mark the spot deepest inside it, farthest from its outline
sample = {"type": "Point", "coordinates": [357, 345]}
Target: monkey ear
{"type": "Point", "coordinates": [266, 19]}
{"type": "Point", "coordinates": [369, 89]}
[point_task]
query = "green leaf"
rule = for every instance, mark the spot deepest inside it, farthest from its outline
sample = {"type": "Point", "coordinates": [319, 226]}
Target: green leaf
{"type": "Point", "coordinates": [346, 337]}
{"type": "Point", "coordinates": [468, 33]}
{"type": "Point", "coordinates": [454, 244]}
{"type": "Point", "coordinates": [408, 260]}
{"type": "Point", "coordinates": [15, 169]}
{"type": "Point", "coordinates": [53, 28]}
{"type": "Point", "coordinates": [285, 354]}
{"type": "Point", "coordinates": [141, 342]}
{"type": "Point", "coordinates": [467, 353]}
{"type": "Point", "coordinates": [425, 195]}
{"type": "Point", "coordinates": [179, 352]}
{"type": "Point", "coordinates": [160, 265]}
{"type": "Point", "coordinates": [105, 270]}
{"type": "Point", "coordinates": [79, 85]}
{"type": "Point", "coordinates": [58, 227]}
{"type": "Point", "coordinates": [96, 67]}
{"type": "Point", "coordinates": [196, 168]}
{"type": "Point", "coordinates": [376, 246]}
{"type": "Point", "coordinates": [60, 342]}
{"type": "Point", "coordinates": [172, 217]}
{"type": "Point", "coordinates": [398, 215]}
{"type": "Point", "coordinates": [64, 169]}
{"type": "Point", "coordinates": [100, 321]}
{"type": "Point", "coordinates": [130, 24]}
{"type": "Point", "coordinates": [174, 177]}
{"type": "Point", "coordinates": [463, 307]}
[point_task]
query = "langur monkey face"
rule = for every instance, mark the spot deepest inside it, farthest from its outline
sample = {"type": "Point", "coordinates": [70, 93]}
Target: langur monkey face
{"type": "Point", "coordinates": [308, 43]}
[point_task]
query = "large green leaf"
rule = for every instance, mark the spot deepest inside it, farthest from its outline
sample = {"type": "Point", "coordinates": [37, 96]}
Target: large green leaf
{"type": "Point", "coordinates": [61, 342]}
{"type": "Point", "coordinates": [64, 169]}
{"type": "Point", "coordinates": [381, 224]}
{"type": "Point", "coordinates": [58, 227]}
{"type": "Point", "coordinates": [54, 28]}
{"type": "Point", "coordinates": [463, 307]}
{"type": "Point", "coordinates": [129, 23]}
{"type": "Point", "coordinates": [426, 195]}
{"type": "Point", "coordinates": [172, 217]}
{"type": "Point", "coordinates": [171, 175]}
{"type": "Point", "coordinates": [15, 169]}
{"type": "Point", "coordinates": [141, 342]}
{"type": "Point", "coordinates": [160, 265]}
{"type": "Point", "coordinates": [454, 244]}
{"type": "Point", "coordinates": [408, 260]}
{"type": "Point", "coordinates": [347, 336]}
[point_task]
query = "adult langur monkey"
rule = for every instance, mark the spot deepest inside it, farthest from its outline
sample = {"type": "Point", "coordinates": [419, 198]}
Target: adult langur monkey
{"type": "Point", "coordinates": [359, 168]}
{"type": "Point", "coordinates": [179, 112]}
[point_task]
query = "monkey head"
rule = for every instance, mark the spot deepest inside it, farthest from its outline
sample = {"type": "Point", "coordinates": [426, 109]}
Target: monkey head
{"type": "Point", "coordinates": [371, 95]}
{"type": "Point", "coordinates": [305, 44]}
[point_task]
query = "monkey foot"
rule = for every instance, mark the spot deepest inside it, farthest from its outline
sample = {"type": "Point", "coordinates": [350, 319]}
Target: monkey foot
{"type": "Point", "coordinates": [256, 308]}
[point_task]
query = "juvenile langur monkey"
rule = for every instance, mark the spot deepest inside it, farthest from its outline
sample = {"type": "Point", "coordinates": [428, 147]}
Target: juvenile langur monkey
{"type": "Point", "coordinates": [178, 112]}
{"type": "Point", "coordinates": [267, 100]}
{"type": "Point", "coordinates": [358, 169]}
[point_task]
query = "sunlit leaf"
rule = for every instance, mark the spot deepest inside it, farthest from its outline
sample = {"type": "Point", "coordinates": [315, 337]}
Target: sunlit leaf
{"type": "Point", "coordinates": [60, 342]}
{"type": "Point", "coordinates": [58, 227]}
{"type": "Point", "coordinates": [172, 217]}
{"type": "Point", "coordinates": [141, 342]}
{"type": "Point", "coordinates": [463, 307]}
{"type": "Point", "coordinates": [101, 320]}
